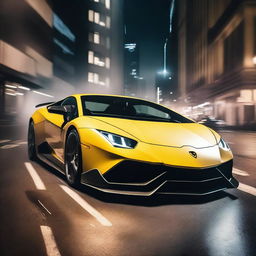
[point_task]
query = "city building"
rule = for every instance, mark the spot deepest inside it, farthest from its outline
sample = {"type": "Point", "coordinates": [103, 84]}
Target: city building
{"type": "Point", "coordinates": [217, 63]}
{"type": "Point", "coordinates": [132, 79]}
{"type": "Point", "coordinates": [51, 48]}
{"type": "Point", "coordinates": [105, 47]}
{"type": "Point", "coordinates": [92, 43]}
{"type": "Point", "coordinates": [25, 51]}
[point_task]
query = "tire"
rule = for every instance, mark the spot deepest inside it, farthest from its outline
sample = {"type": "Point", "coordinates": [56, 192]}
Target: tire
{"type": "Point", "coordinates": [73, 159]}
{"type": "Point", "coordinates": [31, 142]}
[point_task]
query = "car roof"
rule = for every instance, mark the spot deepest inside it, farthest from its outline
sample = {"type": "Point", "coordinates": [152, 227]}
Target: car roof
{"type": "Point", "coordinates": [108, 95]}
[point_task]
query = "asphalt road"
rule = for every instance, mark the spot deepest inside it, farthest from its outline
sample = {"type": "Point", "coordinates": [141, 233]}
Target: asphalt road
{"type": "Point", "coordinates": [41, 215]}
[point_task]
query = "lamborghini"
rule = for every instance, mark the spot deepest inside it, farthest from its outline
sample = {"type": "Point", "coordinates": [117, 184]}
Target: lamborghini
{"type": "Point", "coordinates": [127, 145]}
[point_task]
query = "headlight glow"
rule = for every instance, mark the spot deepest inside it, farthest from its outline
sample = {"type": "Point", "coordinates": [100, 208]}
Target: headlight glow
{"type": "Point", "coordinates": [223, 145]}
{"type": "Point", "coordinates": [118, 141]}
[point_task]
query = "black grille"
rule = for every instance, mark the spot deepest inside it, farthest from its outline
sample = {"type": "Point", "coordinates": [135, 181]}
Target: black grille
{"type": "Point", "coordinates": [139, 172]}
{"type": "Point", "coordinates": [133, 172]}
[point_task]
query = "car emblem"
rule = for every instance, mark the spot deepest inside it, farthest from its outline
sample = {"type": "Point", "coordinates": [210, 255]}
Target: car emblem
{"type": "Point", "coordinates": [193, 153]}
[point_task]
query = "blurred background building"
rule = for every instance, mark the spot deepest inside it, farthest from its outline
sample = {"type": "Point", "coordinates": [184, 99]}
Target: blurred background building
{"type": "Point", "coordinates": [217, 59]}
{"type": "Point", "coordinates": [134, 84]}
{"type": "Point", "coordinates": [51, 48]}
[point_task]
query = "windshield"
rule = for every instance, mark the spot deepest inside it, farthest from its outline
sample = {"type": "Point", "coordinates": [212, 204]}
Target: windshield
{"type": "Point", "coordinates": [128, 108]}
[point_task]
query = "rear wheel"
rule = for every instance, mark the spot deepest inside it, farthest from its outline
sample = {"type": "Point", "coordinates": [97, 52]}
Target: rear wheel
{"type": "Point", "coordinates": [31, 142]}
{"type": "Point", "coordinates": [73, 159]}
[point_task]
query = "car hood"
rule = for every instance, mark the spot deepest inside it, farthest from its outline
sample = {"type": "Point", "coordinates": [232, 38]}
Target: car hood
{"type": "Point", "coordinates": [164, 133]}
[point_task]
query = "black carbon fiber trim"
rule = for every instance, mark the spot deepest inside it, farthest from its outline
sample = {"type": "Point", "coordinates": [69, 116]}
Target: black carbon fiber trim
{"type": "Point", "coordinates": [145, 179]}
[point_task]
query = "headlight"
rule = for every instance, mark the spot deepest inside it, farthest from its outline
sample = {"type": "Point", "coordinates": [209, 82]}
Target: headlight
{"type": "Point", "coordinates": [223, 145]}
{"type": "Point", "coordinates": [117, 140]}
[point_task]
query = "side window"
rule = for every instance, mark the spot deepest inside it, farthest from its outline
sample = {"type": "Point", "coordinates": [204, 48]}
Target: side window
{"type": "Point", "coordinates": [71, 101]}
{"type": "Point", "coordinates": [149, 111]}
{"type": "Point", "coordinates": [96, 106]}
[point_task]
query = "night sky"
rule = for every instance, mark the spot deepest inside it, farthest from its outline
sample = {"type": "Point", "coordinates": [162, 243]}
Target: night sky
{"type": "Point", "coordinates": [147, 23]}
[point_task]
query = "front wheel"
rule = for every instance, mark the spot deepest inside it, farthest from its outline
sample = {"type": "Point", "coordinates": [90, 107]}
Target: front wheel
{"type": "Point", "coordinates": [73, 159]}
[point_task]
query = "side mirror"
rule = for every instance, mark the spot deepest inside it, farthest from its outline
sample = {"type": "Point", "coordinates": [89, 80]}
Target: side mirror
{"type": "Point", "coordinates": [62, 110]}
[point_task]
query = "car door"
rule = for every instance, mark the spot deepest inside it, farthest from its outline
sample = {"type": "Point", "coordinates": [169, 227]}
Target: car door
{"type": "Point", "coordinates": [54, 127]}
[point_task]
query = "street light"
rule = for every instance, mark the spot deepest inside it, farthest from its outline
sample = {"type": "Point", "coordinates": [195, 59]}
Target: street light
{"type": "Point", "coordinates": [163, 72]}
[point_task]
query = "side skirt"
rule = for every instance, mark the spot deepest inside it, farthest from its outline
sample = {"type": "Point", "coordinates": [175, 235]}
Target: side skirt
{"type": "Point", "coordinates": [53, 162]}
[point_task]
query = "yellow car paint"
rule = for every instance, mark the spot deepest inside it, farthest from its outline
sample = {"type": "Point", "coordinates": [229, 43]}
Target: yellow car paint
{"type": "Point", "coordinates": [158, 142]}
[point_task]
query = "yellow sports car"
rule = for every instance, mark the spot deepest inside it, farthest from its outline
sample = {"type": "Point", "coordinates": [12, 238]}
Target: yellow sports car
{"type": "Point", "coordinates": [129, 146]}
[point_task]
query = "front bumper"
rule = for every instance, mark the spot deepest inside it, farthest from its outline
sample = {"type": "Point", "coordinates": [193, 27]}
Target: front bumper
{"type": "Point", "coordinates": [145, 179]}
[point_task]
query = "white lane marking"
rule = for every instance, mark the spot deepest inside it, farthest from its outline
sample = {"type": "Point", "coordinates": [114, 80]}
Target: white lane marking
{"type": "Point", "coordinates": [240, 172]}
{"type": "Point", "coordinates": [246, 188]}
{"type": "Point", "coordinates": [44, 207]}
{"type": "Point", "coordinates": [100, 218]}
{"type": "Point", "coordinates": [49, 241]}
{"type": "Point", "coordinates": [231, 143]}
{"type": "Point", "coordinates": [9, 146]}
{"type": "Point", "coordinates": [37, 180]}
{"type": "Point", "coordinates": [4, 141]}
{"type": "Point", "coordinates": [22, 143]}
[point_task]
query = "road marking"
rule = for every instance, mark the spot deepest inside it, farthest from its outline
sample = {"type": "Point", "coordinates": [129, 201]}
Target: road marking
{"type": "Point", "coordinates": [240, 172]}
{"type": "Point", "coordinates": [246, 188]}
{"type": "Point", "coordinates": [49, 241]}
{"type": "Point", "coordinates": [100, 218]}
{"type": "Point", "coordinates": [22, 143]}
{"type": "Point", "coordinates": [37, 180]}
{"type": "Point", "coordinates": [231, 143]}
{"type": "Point", "coordinates": [44, 207]}
{"type": "Point", "coordinates": [4, 141]}
{"type": "Point", "coordinates": [9, 146]}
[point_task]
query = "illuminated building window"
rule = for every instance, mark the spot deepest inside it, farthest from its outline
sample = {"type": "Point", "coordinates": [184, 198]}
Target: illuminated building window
{"type": "Point", "coordinates": [99, 19]}
{"type": "Point", "coordinates": [90, 57]}
{"type": "Point", "coordinates": [96, 38]}
{"type": "Point", "coordinates": [107, 62]}
{"type": "Point", "coordinates": [90, 77]}
{"type": "Point", "coordinates": [96, 59]}
{"type": "Point", "coordinates": [107, 4]}
{"type": "Point", "coordinates": [96, 17]}
{"type": "Point", "coordinates": [96, 79]}
{"type": "Point", "coordinates": [91, 15]}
